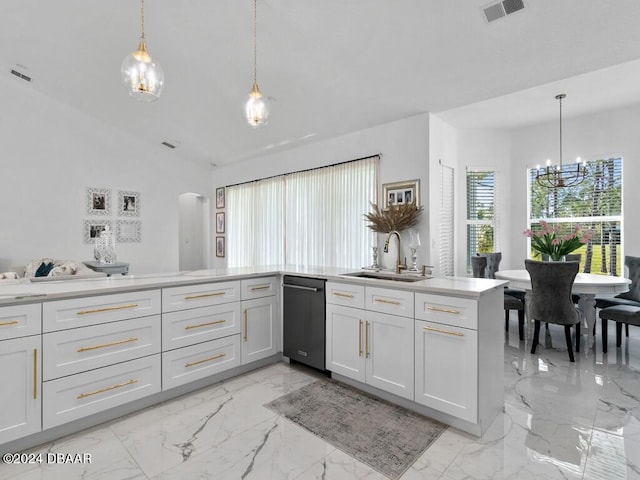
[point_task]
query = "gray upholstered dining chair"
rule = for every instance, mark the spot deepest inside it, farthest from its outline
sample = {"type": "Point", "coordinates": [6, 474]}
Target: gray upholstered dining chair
{"type": "Point", "coordinates": [551, 284]}
{"type": "Point", "coordinates": [621, 314]}
{"type": "Point", "coordinates": [484, 265]}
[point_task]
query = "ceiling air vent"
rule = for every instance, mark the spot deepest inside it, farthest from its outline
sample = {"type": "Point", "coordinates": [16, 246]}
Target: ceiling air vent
{"type": "Point", "coordinates": [168, 145]}
{"type": "Point", "coordinates": [20, 75]}
{"type": "Point", "coordinates": [501, 9]}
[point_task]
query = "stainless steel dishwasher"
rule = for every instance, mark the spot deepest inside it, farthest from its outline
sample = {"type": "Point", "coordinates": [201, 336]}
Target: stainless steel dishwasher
{"type": "Point", "coordinates": [304, 320]}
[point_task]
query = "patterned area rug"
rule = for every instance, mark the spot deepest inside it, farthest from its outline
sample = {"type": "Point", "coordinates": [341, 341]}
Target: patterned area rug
{"type": "Point", "coordinates": [387, 437]}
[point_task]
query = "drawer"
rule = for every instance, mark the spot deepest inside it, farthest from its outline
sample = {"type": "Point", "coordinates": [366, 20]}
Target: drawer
{"type": "Point", "coordinates": [20, 321]}
{"type": "Point", "coordinates": [387, 300]}
{"type": "Point", "coordinates": [345, 294]}
{"type": "Point", "coordinates": [459, 312]}
{"type": "Point", "coordinates": [74, 351]}
{"type": "Point", "coordinates": [196, 325]}
{"type": "Point", "coordinates": [82, 312]}
{"type": "Point", "coordinates": [77, 396]}
{"type": "Point", "coordinates": [194, 296]}
{"type": "Point", "coordinates": [259, 287]}
{"type": "Point", "coordinates": [187, 364]}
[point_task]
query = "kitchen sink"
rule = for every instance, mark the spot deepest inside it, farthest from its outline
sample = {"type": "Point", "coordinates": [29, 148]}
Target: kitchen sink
{"type": "Point", "coordinates": [387, 276]}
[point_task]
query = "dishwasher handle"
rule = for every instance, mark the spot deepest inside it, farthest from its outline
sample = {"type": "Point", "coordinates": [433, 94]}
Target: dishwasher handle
{"type": "Point", "coordinates": [300, 287]}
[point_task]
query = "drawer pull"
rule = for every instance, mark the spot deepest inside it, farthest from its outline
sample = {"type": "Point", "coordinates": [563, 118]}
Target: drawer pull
{"type": "Point", "coordinates": [246, 325]}
{"type": "Point", "coordinates": [359, 338]}
{"type": "Point", "coordinates": [6, 324]}
{"type": "Point", "coordinates": [383, 300]}
{"type": "Point", "coordinates": [214, 294]}
{"type": "Point", "coordinates": [200, 325]}
{"type": "Point", "coordinates": [106, 389]}
{"type": "Point", "coordinates": [35, 373]}
{"type": "Point", "coordinates": [444, 310]}
{"type": "Point", "coordinates": [366, 341]}
{"type": "Point", "coordinates": [110, 344]}
{"type": "Point", "coordinates": [208, 359]}
{"type": "Point", "coordinates": [345, 295]}
{"type": "Point", "coordinates": [457, 334]}
{"type": "Point", "coordinates": [107, 309]}
{"type": "Point", "coordinates": [261, 287]}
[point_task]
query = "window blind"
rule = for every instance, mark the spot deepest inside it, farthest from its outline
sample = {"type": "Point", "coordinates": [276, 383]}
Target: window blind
{"type": "Point", "coordinates": [447, 241]}
{"type": "Point", "coordinates": [482, 195]}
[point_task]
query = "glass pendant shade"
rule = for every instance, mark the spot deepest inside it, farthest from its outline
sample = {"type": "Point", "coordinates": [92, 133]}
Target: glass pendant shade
{"type": "Point", "coordinates": [142, 77]}
{"type": "Point", "coordinates": [257, 109]}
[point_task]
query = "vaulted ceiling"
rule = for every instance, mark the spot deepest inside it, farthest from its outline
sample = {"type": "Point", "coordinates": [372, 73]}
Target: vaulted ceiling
{"type": "Point", "coordinates": [330, 66]}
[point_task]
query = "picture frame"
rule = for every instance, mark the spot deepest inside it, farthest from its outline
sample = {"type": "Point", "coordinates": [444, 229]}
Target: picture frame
{"type": "Point", "coordinates": [98, 201]}
{"type": "Point", "coordinates": [219, 246]}
{"type": "Point", "coordinates": [401, 193]}
{"type": "Point", "coordinates": [129, 231]}
{"type": "Point", "coordinates": [129, 203]}
{"type": "Point", "coordinates": [220, 197]}
{"type": "Point", "coordinates": [220, 222]}
{"type": "Point", "coordinates": [93, 228]}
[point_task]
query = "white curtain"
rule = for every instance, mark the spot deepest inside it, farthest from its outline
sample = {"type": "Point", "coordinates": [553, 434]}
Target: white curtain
{"type": "Point", "coordinates": [312, 218]}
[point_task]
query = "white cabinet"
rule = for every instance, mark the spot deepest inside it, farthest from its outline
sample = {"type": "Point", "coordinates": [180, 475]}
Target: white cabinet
{"type": "Point", "coordinates": [260, 328]}
{"type": "Point", "coordinates": [20, 321]}
{"type": "Point", "coordinates": [201, 295]}
{"type": "Point", "coordinates": [259, 287]}
{"type": "Point", "coordinates": [20, 378]}
{"type": "Point", "coordinates": [370, 346]}
{"type": "Point", "coordinates": [446, 362]}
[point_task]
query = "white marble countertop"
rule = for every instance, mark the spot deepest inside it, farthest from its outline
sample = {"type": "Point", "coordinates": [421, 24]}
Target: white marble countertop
{"type": "Point", "coordinates": [27, 292]}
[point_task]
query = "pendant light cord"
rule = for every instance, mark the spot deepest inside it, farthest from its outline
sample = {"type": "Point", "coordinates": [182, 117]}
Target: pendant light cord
{"type": "Point", "coordinates": [255, 42]}
{"type": "Point", "coordinates": [561, 132]}
{"type": "Point", "coordinates": [142, 18]}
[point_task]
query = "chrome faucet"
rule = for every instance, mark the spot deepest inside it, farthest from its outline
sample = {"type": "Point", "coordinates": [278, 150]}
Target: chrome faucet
{"type": "Point", "coordinates": [399, 265]}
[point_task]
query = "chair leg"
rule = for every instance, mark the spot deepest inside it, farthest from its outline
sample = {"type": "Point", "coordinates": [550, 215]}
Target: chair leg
{"type": "Point", "coordinates": [618, 334]}
{"type": "Point", "coordinates": [626, 328]}
{"type": "Point", "coordinates": [605, 327]}
{"type": "Point", "coordinates": [521, 324]}
{"type": "Point", "coordinates": [578, 337]}
{"type": "Point", "coordinates": [506, 319]}
{"type": "Point", "coordinates": [567, 336]}
{"type": "Point", "coordinates": [536, 335]}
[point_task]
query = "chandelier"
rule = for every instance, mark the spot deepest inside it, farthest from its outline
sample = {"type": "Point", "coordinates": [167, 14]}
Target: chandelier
{"type": "Point", "coordinates": [560, 176]}
{"type": "Point", "coordinates": [142, 77]}
{"type": "Point", "coordinates": [256, 108]}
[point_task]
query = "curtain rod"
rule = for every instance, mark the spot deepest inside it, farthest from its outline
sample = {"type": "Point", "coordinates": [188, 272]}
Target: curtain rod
{"type": "Point", "coordinates": [306, 170]}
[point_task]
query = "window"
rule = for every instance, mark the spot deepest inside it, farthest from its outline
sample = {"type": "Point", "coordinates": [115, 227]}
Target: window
{"type": "Point", "coordinates": [482, 197]}
{"type": "Point", "coordinates": [313, 217]}
{"type": "Point", "coordinates": [596, 204]}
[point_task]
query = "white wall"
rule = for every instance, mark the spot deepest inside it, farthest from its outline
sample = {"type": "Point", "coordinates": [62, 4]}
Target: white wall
{"type": "Point", "coordinates": [404, 145]}
{"type": "Point", "coordinates": [51, 153]}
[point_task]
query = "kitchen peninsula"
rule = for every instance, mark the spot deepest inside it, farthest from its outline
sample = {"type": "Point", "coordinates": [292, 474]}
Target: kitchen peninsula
{"type": "Point", "coordinates": [81, 352]}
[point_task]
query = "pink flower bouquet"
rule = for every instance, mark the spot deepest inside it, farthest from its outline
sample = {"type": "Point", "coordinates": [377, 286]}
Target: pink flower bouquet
{"type": "Point", "coordinates": [551, 241]}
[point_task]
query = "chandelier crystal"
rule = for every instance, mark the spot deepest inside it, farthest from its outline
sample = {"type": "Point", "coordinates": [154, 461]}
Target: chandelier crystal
{"type": "Point", "coordinates": [560, 176]}
{"type": "Point", "coordinates": [143, 78]}
{"type": "Point", "coordinates": [256, 109]}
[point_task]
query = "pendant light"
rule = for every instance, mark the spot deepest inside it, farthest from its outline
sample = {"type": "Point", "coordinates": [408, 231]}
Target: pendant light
{"type": "Point", "coordinates": [256, 109]}
{"type": "Point", "coordinates": [560, 176]}
{"type": "Point", "coordinates": [142, 77]}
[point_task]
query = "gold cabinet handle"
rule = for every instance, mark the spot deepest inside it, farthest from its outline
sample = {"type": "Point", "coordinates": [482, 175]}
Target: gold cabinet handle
{"type": "Point", "coordinates": [200, 325]}
{"type": "Point", "coordinates": [359, 338]}
{"type": "Point", "coordinates": [383, 300]}
{"type": "Point", "coordinates": [214, 294]}
{"type": "Point", "coordinates": [260, 287]}
{"type": "Point", "coordinates": [345, 295]}
{"type": "Point", "coordinates": [110, 344]}
{"type": "Point", "coordinates": [6, 324]}
{"type": "Point", "coordinates": [246, 324]}
{"type": "Point", "coordinates": [107, 309]}
{"type": "Point", "coordinates": [457, 334]}
{"type": "Point", "coordinates": [444, 310]}
{"type": "Point", "coordinates": [366, 337]}
{"type": "Point", "coordinates": [35, 373]}
{"type": "Point", "coordinates": [106, 389]}
{"type": "Point", "coordinates": [208, 359]}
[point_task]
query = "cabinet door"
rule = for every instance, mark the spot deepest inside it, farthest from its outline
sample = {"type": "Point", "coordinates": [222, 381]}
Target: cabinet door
{"type": "Point", "coordinates": [259, 328]}
{"type": "Point", "coordinates": [20, 377]}
{"type": "Point", "coordinates": [446, 369]}
{"type": "Point", "coordinates": [345, 342]}
{"type": "Point", "coordinates": [389, 352]}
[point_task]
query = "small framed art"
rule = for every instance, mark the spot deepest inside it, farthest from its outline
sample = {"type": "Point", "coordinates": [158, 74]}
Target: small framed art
{"type": "Point", "coordinates": [98, 201]}
{"type": "Point", "coordinates": [219, 246]}
{"type": "Point", "coordinates": [93, 229]}
{"type": "Point", "coordinates": [129, 231]}
{"type": "Point", "coordinates": [220, 197]}
{"type": "Point", "coordinates": [129, 203]}
{"type": "Point", "coordinates": [401, 193]}
{"type": "Point", "coordinates": [220, 222]}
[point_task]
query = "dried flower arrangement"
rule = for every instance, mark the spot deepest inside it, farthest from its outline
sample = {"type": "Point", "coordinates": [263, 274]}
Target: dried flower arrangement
{"type": "Point", "coordinates": [396, 217]}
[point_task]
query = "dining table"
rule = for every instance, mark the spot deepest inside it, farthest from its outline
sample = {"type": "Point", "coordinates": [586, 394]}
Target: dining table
{"type": "Point", "coordinates": [586, 285]}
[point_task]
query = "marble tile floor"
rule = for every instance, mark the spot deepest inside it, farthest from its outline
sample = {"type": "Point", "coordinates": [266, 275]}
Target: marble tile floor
{"type": "Point", "coordinates": [560, 421]}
